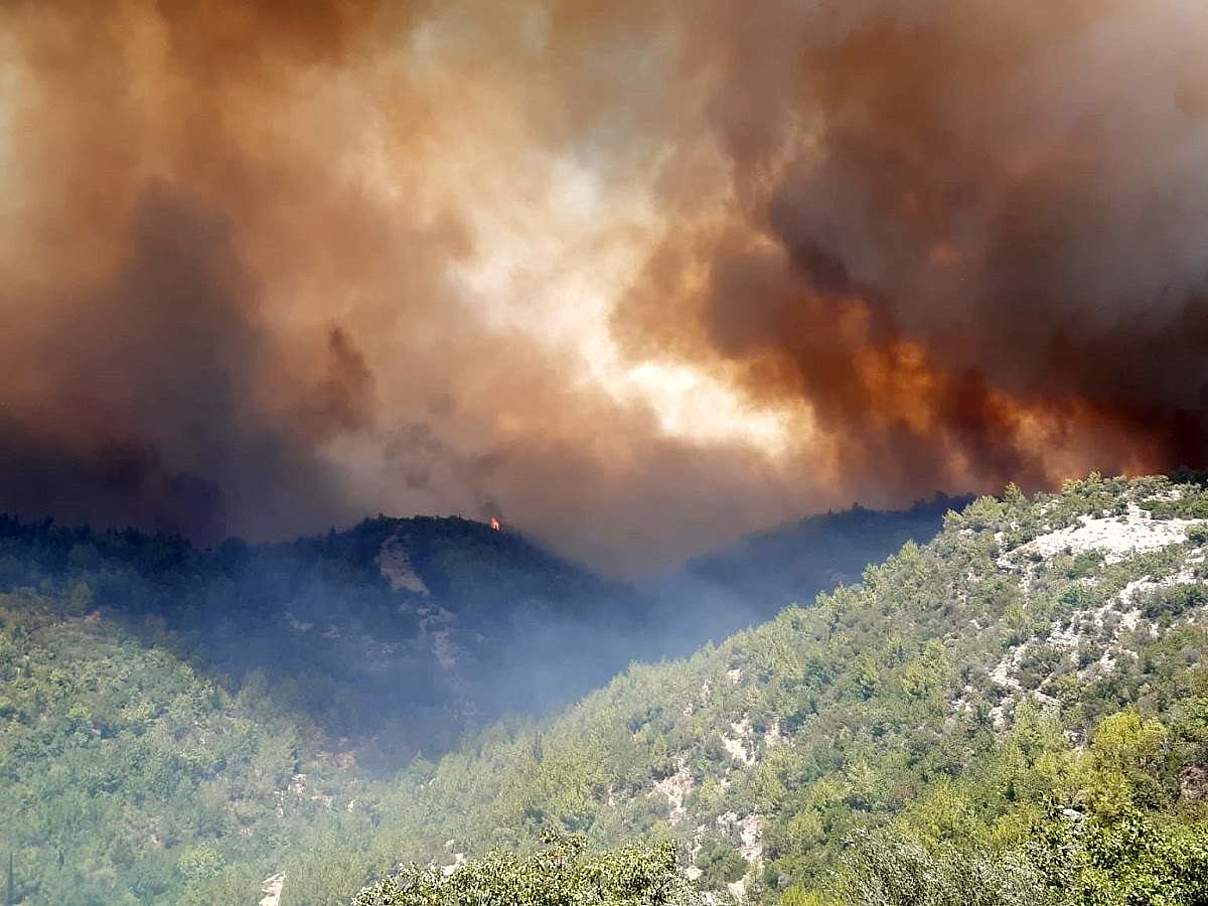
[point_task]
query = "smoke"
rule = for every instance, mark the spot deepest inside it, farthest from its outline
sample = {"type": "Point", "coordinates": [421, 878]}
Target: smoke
{"type": "Point", "coordinates": [969, 237]}
{"type": "Point", "coordinates": [637, 277]}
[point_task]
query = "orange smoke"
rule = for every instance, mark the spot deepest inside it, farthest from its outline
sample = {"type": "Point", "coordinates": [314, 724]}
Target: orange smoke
{"type": "Point", "coordinates": [271, 266]}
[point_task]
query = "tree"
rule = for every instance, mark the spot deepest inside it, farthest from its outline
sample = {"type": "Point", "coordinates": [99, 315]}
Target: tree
{"type": "Point", "coordinates": [894, 871]}
{"type": "Point", "coordinates": [560, 874]}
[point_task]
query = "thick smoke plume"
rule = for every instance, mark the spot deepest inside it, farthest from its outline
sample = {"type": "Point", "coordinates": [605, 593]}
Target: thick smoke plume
{"type": "Point", "coordinates": [270, 266]}
{"type": "Point", "coordinates": [972, 238]}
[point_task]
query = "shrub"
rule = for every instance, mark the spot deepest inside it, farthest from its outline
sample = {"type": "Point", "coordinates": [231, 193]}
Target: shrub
{"type": "Point", "coordinates": [561, 874]}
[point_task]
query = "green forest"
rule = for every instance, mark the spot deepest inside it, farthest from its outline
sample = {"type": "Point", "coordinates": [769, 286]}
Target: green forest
{"type": "Point", "coordinates": [978, 710]}
{"type": "Point", "coordinates": [1013, 712]}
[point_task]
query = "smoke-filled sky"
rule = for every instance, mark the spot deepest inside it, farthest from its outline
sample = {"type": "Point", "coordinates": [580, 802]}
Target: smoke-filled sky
{"type": "Point", "coordinates": [638, 275]}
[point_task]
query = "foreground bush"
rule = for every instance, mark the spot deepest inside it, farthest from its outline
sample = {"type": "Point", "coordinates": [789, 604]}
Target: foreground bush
{"type": "Point", "coordinates": [561, 874]}
{"type": "Point", "coordinates": [1074, 860]}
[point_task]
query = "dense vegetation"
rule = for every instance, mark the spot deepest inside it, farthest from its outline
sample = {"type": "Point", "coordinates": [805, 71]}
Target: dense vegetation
{"type": "Point", "coordinates": [1015, 712]}
{"type": "Point", "coordinates": [1022, 699]}
{"type": "Point", "coordinates": [126, 778]}
{"type": "Point", "coordinates": [560, 874]}
{"type": "Point", "coordinates": [751, 581]}
{"type": "Point", "coordinates": [177, 724]}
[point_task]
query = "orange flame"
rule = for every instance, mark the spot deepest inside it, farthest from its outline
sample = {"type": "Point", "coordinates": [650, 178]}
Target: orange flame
{"type": "Point", "coordinates": [496, 525]}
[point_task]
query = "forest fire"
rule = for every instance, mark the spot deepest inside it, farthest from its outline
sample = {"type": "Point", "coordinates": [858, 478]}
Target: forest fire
{"type": "Point", "coordinates": [496, 525]}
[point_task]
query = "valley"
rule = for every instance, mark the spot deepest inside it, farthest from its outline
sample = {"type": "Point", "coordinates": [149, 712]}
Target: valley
{"type": "Point", "coordinates": [177, 715]}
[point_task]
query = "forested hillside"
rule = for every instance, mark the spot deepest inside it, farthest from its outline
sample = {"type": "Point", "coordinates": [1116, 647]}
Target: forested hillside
{"type": "Point", "coordinates": [126, 777]}
{"type": "Point", "coordinates": [1016, 712]}
{"type": "Point", "coordinates": [751, 581]}
{"type": "Point", "coordinates": [398, 635]}
{"type": "Point", "coordinates": [394, 636]}
{"type": "Point", "coordinates": [179, 724]}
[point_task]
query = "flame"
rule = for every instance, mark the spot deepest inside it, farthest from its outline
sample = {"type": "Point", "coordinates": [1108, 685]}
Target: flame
{"type": "Point", "coordinates": [496, 525]}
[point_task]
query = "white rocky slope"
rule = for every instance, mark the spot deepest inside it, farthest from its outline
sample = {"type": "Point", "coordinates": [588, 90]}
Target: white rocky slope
{"type": "Point", "coordinates": [1105, 628]}
{"type": "Point", "coordinates": [1095, 637]}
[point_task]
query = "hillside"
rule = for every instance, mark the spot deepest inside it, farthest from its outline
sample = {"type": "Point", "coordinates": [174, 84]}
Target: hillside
{"type": "Point", "coordinates": [752, 580]}
{"type": "Point", "coordinates": [180, 724]}
{"type": "Point", "coordinates": [396, 636]}
{"type": "Point", "coordinates": [1039, 659]}
{"type": "Point", "coordinates": [1033, 673]}
{"type": "Point", "coordinates": [128, 778]}
{"type": "Point", "coordinates": [390, 638]}
{"type": "Point", "coordinates": [174, 721]}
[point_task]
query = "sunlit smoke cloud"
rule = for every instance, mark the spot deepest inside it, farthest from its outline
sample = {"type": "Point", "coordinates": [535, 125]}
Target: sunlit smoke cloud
{"type": "Point", "coordinates": [637, 276]}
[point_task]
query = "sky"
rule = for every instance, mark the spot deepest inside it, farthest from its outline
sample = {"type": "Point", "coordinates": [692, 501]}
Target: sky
{"type": "Point", "coordinates": [637, 277]}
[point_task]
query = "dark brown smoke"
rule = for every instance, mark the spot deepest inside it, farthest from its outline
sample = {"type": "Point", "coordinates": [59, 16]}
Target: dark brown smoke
{"type": "Point", "coordinates": [972, 240]}
{"type": "Point", "coordinates": [270, 266]}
